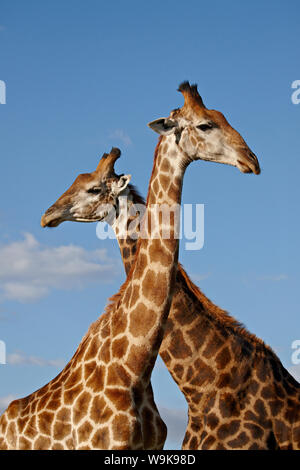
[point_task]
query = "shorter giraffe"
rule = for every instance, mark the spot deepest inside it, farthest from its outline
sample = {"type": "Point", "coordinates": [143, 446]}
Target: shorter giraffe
{"type": "Point", "coordinates": [103, 398]}
{"type": "Point", "coordinates": [226, 374]}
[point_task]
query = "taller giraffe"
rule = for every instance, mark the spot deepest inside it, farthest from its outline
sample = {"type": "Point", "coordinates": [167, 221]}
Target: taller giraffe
{"type": "Point", "coordinates": [196, 334]}
{"type": "Point", "coordinates": [100, 399]}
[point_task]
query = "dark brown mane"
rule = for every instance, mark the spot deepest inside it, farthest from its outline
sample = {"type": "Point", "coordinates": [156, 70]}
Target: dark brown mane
{"type": "Point", "coordinates": [136, 195]}
{"type": "Point", "coordinates": [217, 314]}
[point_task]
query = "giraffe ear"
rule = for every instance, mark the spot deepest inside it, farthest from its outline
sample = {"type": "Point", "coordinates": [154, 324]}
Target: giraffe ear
{"type": "Point", "coordinates": [163, 126]}
{"type": "Point", "coordinates": [122, 184]}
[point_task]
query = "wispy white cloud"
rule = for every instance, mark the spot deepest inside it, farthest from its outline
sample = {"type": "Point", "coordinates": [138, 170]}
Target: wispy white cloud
{"type": "Point", "coordinates": [29, 270]}
{"type": "Point", "coordinates": [2, 28]}
{"type": "Point", "coordinates": [19, 358]}
{"type": "Point", "coordinates": [273, 277]}
{"type": "Point", "coordinates": [120, 136]}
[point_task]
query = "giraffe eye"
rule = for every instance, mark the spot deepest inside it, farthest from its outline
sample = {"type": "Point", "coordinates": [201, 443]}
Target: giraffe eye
{"type": "Point", "coordinates": [206, 127]}
{"type": "Point", "coordinates": [94, 190]}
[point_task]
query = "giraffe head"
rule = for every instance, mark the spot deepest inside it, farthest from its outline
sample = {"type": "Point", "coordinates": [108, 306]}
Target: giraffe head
{"type": "Point", "coordinates": [92, 195]}
{"type": "Point", "coordinates": [205, 134]}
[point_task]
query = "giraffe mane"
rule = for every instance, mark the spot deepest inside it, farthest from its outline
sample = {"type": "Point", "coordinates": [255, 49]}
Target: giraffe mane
{"type": "Point", "coordinates": [138, 198]}
{"type": "Point", "coordinates": [218, 315]}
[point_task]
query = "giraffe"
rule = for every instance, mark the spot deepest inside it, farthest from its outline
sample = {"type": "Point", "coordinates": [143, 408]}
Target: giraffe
{"type": "Point", "coordinates": [224, 372]}
{"type": "Point", "coordinates": [100, 399]}
{"type": "Point", "coordinates": [103, 398]}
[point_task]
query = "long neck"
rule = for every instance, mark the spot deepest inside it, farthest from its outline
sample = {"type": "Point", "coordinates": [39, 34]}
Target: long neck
{"type": "Point", "coordinates": [151, 281]}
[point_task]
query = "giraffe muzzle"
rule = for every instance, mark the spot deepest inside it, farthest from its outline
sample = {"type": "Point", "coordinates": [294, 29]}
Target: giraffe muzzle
{"type": "Point", "coordinates": [51, 218]}
{"type": "Point", "coordinates": [249, 164]}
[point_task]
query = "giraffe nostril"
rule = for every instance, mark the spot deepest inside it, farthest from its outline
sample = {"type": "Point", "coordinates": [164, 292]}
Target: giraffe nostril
{"type": "Point", "coordinates": [254, 159]}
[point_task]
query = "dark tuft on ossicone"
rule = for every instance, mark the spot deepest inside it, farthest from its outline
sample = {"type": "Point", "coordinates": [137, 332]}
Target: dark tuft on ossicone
{"type": "Point", "coordinates": [115, 151]}
{"type": "Point", "coordinates": [184, 86]}
{"type": "Point", "coordinates": [191, 90]}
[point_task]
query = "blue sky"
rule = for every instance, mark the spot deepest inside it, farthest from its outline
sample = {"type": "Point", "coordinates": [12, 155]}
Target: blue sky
{"type": "Point", "coordinates": [83, 76]}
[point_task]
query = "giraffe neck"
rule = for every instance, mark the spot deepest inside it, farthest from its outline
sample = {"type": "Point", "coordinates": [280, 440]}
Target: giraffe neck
{"type": "Point", "coordinates": [148, 290]}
